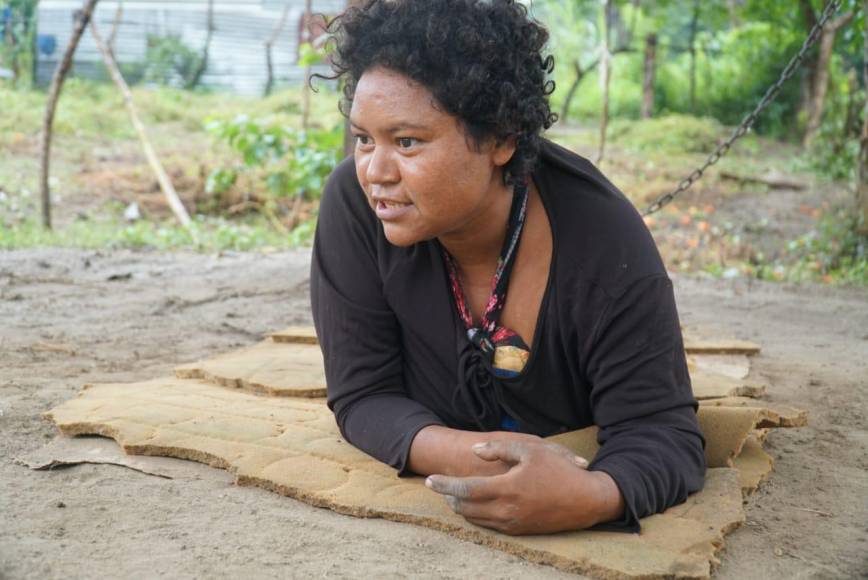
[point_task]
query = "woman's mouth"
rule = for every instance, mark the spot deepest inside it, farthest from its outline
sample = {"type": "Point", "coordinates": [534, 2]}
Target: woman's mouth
{"type": "Point", "coordinates": [391, 210]}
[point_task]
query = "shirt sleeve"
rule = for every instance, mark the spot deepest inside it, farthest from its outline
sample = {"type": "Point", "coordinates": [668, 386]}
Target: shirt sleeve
{"type": "Point", "coordinates": [643, 403]}
{"type": "Point", "coordinates": [358, 332]}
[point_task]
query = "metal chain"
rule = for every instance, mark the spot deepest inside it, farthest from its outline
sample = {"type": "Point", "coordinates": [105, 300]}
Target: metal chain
{"type": "Point", "coordinates": [748, 121]}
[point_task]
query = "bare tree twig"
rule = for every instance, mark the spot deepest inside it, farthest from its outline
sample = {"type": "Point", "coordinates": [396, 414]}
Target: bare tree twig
{"type": "Point", "coordinates": [269, 45]}
{"type": "Point", "coordinates": [203, 62]}
{"type": "Point", "coordinates": [605, 77]}
{"type": "Point", "coordinates": [116, 24]}
{"type": "Point", "coordinates": [60, 72]}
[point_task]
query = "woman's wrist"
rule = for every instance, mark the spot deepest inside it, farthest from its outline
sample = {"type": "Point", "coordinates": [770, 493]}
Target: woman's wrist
{"type": "Point", "coordinates": [608, 502]}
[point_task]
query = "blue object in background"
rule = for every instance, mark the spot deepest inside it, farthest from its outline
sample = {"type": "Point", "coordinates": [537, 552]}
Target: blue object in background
{"type": "Point", "coordinates": [47, 43]}
{"type": "Point", "coordinates": [5, 17]}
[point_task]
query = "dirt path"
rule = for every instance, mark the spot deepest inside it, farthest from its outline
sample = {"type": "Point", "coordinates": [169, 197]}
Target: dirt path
{"type": "Point", "coordinates": [70, 317]}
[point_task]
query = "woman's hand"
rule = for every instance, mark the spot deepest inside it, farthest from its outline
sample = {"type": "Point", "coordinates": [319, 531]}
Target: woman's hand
{"type": "Point", "coordinates": [446, 451]}
{"type": "Point", "coordinates": [547, 489]}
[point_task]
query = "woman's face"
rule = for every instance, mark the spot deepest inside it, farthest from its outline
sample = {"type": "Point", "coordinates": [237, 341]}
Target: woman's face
{"type": "Point", "coordinates": [423, 176]}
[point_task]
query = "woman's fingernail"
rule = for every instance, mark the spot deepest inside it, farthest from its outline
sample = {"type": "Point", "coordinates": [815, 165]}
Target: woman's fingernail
{"type": "Point", "coordinates": [580, 461]}
{"type": "Point", "coordinates": [479, 446]}
{"type": "Point", "coordinates": [428, 483]}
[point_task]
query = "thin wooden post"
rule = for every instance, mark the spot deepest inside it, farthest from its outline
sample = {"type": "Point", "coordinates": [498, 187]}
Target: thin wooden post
{"type": "Point", "coordinates": [605, 73]}
{"type": "Point", "coordinates": [269, 45]}
{"type": "Point", "coordinates": [116, 24]}
{"type": "Point", "coordinates": [862, 186]}
{"type": "Point", "coordinates": [305, 88]}
{"type": "Point", "coordinates": [203, 62]}
{"type": "Point", "coordinates": [571, 92]}
{"type": "Point", "coordinates": [821, 76]}
{"type": "Point", "coordinates": [162, 177]}
{"type": "Point", "coordinates": [81, 21]}
{"type": "Point", "coordinates": [648, 76]}
{"type": "Point", "coordinates": [694, 26]}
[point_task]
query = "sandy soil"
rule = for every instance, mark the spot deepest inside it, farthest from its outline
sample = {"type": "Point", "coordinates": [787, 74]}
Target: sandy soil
{"type": "Point", "coordinates": [68, 317]}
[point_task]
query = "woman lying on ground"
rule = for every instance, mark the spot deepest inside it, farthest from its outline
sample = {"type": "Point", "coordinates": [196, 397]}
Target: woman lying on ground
{"type": "Point", "coordinates": [450, 199]}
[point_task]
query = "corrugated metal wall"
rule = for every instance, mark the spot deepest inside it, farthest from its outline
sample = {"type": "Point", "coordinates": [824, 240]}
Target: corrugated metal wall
{"type": "Point", "coordinates": [237, 58]}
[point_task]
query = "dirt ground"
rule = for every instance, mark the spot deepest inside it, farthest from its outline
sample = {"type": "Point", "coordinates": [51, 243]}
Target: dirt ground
{"type": "Point", "coordinates": [69, 317]}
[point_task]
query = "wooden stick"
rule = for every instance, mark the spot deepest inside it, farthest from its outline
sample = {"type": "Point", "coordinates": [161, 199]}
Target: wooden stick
{"type": "Point", "coordinates": [113, 35]}
{"type": "Point", "coordinates": [269, 45]}
{"type": "Point", "coordinates": [165, 183]}
{"type": "Point", "coordinates": [862, 177]}
{"type": "Point", "coordinates": [203, 63]}
{"type": "Point", "coordinates": [305, 85]}
{"type": "Point", "coordinates": [51, 107]}
{"type": "Point", "coordinates": [605, 78]}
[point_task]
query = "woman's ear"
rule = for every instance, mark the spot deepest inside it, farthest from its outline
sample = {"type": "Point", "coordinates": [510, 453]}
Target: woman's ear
{"type": "Point", "coordinates": [503, 151]}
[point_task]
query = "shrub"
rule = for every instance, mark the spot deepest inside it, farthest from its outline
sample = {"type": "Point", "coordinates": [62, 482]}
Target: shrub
{"type": "Point", "coordinates": [672, 133]}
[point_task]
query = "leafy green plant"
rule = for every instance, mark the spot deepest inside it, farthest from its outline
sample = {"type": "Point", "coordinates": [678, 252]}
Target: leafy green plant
{"type": "Point", "coordinates": [834, 151]}
{"type": "Point", "coordinates": [18, 38]}
{"type": "Point", "coordinates": [169, 61]}
{"type": "Point", "coordinates": [292, 162]}
{"type": "Point", "coordinates": [309, 55]}
{"type": "Point", "coordinates": [833, 251]}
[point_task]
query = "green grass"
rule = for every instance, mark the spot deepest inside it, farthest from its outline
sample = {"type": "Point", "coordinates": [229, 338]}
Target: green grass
{"type": "Point", "coordinates": [671, 133]}
{"type": "Point", "coordinates": [91, 110]}
{"type": "Point", "coordinates": [92, 122]}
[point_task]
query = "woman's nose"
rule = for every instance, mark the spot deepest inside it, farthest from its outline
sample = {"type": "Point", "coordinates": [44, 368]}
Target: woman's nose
{"type": "Point", "coordinates": [382, 167]}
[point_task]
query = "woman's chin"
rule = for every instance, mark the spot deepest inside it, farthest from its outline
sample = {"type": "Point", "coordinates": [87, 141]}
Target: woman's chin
{"type": "Point", "coordinates": [401, 237]}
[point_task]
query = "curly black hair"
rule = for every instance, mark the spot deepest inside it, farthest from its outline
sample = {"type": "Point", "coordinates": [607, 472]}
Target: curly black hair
{"type": "Point", "coordinates": [481, 59]}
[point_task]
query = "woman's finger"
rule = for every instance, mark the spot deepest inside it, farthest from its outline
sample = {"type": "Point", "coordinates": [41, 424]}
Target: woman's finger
{"type": "Point", "coordinates": [567, 454]}
{"type": "Point", "coordinates": [469, 508]}
{"type": "Point", "coordinates": [475, 488]}
{"type": "Point", "coordinates": [486, 523]}
{"type": "Point", "coordinates": [512, 452]}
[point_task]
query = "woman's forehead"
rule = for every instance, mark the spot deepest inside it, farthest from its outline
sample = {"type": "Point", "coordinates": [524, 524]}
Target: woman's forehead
{"type": "Point", "coordinates": [388, 97]}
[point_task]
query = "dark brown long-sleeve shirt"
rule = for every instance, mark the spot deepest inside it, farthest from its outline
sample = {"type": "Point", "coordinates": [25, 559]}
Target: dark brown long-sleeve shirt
{"type": "Point", "coordinates": [607, 349]}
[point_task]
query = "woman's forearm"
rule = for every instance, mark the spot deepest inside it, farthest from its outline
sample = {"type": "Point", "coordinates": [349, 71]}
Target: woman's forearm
{"type": "Point", "coordinates": [445, 451]}
{"type": "Point", "coordinates": [609, 504]}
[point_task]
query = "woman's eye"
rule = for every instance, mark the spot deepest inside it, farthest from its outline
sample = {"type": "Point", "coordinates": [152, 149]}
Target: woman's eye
{"type": "Point", "coordinates": [363, 140]}
{"type": "Point", "coordinates": [406, 142]}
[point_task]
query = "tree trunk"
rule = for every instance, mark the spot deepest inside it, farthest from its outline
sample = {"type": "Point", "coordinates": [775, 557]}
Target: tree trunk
{"type": "Point", "coordinates": [162, 178]}
{"type": "Point", "coordinates": [851, 120]}
{"type": "Point", "coordinates": [734, 19]}
{"type": "Point", "coordinates": [10, 41]}
{"type": "Point", "coordinates": [81, 21]}
{"type": "Point", "coordinates": [648, 76]}
{"type": "Point", "coordinates": [821, 77]}
{"type": "Point", "coordinates": [269, 71]}
{"type": "Point", "coordinates": [605, 73]}
{"type": "Point", "coordinates": [305, 94]}
{"type": "Point", "coordinates": [203, 62]}
{"type": "Point", "coordinates": [571, 92]}
{"type": "Point", "coordinates": [809, 65]}
{"type": "Point", "coordinates": [269, 44]}
{"type": "Point", "coordinates": [694, 24]}
{"type": "Point", "coordinates": [862, 186]}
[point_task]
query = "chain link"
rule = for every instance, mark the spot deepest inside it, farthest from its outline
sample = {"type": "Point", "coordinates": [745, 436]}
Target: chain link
{"type": "Point", "coordinates": [749, 120]}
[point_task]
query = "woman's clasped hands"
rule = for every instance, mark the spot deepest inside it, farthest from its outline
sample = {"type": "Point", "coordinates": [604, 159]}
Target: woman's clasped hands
{"type": "Point", "coordinates": [546, 489]}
